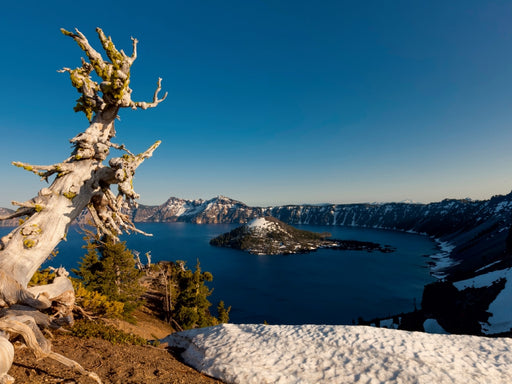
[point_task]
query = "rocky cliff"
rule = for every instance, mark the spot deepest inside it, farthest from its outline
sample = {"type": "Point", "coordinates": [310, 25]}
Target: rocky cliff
{"type": "Point", "coordinates": [218, 210]}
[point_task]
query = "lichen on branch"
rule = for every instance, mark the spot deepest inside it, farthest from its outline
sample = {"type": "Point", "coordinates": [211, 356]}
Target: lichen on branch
{"type": "Point", "coordinates": [114, 91]}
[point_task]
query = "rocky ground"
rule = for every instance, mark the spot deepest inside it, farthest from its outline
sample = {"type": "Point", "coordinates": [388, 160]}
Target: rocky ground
{"type": "Point", "coordinates": [115, 364]}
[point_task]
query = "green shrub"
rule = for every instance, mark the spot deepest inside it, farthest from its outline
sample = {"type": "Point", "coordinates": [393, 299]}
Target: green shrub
{"type": "Point", "coordinates": [43, 276]}
{"type": "Point", "coordinates": [97, 304]}
{"type": "Point", "coordinates": [97, 329]}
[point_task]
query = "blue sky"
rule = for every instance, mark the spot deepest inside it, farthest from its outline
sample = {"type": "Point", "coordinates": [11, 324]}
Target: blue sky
{"type": "Point", "coordinates": [276, 102]}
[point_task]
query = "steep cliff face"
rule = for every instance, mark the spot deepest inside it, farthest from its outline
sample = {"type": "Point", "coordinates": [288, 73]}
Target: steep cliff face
{"type": "Point", "coordinates": [436, 219]}
{"type": "Point", "coordinates": [477, 229]}
{"type": "Point", "coordinates": [217, 210]}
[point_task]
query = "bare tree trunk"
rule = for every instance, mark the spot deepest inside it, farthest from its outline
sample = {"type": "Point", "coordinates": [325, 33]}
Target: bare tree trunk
{"type": "Point", "coordinates": [81, 181]}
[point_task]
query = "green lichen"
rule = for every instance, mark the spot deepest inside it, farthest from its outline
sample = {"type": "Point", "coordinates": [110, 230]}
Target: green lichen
{"type": "Point", "coordinates": [38, 207]}
{"type": "Point", "coordinates": [24, 166]}
{"type": "Point", "coordinates": [36, 228]}
{"type": "Point", "coordinates": [114, 73]}
{"type": "Point", "coordinates": [28, 243]}
{"type": "Point", "coordinates": [70, 195]}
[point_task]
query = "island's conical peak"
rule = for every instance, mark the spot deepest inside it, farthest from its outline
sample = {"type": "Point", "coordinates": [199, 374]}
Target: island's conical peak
{"type": "Point", "coordinates": [263, 225]}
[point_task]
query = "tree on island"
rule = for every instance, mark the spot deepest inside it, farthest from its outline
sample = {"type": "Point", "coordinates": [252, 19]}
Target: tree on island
{"type": "Point", "coordinates": [81, 181]}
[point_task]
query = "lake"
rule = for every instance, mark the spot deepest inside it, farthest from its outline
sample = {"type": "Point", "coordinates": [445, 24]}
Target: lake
{"type": "Point", "coordinates": [323, 287]}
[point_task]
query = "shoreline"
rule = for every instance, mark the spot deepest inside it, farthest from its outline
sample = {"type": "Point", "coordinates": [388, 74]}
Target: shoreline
{"type": "Point", "coordinates": [441, 260]}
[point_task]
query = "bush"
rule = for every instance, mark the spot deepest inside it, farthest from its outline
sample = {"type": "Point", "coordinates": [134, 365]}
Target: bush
{"type": "Point", "coordinates": [90, 329]}
{"type": "Point", "coordinates": [43, 276]}
{"type": "Point", "coordinates": [96, 303]}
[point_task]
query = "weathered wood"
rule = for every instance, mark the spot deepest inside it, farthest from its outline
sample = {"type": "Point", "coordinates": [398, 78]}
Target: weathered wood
{"type": "Point", "coordinates": [80, 181]}
{"type": "Point", "coordinates": [6, 359]}
{"type": "Point", "coordinates": [34, 339]}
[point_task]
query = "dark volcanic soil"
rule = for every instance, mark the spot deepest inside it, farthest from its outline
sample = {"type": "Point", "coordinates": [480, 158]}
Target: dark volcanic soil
{"type": "Point", "coordinates": [126, 364]}
{"type": "Point", "coordinates": [115, 364]}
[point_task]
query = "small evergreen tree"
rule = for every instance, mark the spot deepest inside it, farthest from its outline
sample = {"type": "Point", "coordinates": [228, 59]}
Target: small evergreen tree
{"type": "Point", "coordinates": [222, 312]}
{"type": "Point", "coordinates": [191, 305]}
{"type": "Point", "coordinates": [109, 268]}
{"type": "Point", "coordinates": [89, 265]}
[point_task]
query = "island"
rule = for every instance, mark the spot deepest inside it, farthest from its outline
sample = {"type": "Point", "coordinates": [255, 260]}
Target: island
{"type": "Point", "coordinates": [270, 236]}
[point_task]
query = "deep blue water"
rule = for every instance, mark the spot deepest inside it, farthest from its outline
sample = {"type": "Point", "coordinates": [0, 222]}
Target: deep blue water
{"type": "Point", "coordinates": [324, 287]}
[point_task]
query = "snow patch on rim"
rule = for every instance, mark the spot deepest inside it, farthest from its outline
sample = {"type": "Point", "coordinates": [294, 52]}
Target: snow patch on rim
{"type": "Point", "coordinates": [292, 354]}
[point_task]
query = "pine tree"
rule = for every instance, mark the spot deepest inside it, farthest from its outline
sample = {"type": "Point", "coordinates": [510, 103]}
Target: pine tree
{"type": "Point", "coordinates": [89, 265]}
{"type": "Point", "coordinates": [222, 312]}
{"type": "Point", "coordinates": [191, 308]}
{"type": "Point", "coordinates": [112, 272]}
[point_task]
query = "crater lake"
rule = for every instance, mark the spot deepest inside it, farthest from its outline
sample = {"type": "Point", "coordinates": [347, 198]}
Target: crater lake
{"type": "Point", "coordinates": [322, 287]}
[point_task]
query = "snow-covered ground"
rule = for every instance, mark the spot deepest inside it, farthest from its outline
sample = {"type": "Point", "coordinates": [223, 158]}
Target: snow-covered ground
{"type": "Point", "coordinates": [261, 224]}
{"type": "Point", "coordinates": [342, 354]}
{"type": "Point", "coordinates": [501, 307]}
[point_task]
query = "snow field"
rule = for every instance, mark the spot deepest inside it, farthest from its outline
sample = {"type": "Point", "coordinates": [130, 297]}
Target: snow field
{"type": "Point", "coordinates": [342, 354]}
{"type": "Point", "coordinates": [501, 307]}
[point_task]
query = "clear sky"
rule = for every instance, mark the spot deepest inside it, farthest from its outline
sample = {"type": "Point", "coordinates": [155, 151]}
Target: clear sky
{"type": "Point", "coordinates": [275, 102]}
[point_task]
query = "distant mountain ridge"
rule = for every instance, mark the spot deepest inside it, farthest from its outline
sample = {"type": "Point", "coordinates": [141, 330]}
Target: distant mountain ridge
{"type": "Point", "coordinates": [477, 228]}
{"type": "Point", "coordinates": [214, 211]}
{"type": "Point", "coordinates": [422, 218]}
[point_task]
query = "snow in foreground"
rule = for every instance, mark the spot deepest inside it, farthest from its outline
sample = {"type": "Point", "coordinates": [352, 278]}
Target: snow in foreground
{"type": "Point", "coordinates": [342, 354]}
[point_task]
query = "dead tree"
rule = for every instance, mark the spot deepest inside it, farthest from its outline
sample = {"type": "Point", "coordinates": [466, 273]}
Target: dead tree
{"type": "Point", "coordinates": [79, 182]}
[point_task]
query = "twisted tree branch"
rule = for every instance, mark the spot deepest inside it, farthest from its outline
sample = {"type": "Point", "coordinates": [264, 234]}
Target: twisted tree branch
{"type": "Point", "coordinates": [156, 100]}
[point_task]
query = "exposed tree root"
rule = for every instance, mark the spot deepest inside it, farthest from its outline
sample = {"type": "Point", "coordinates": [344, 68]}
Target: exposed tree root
{"type": "Point", "coordinates": [26, 327]}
